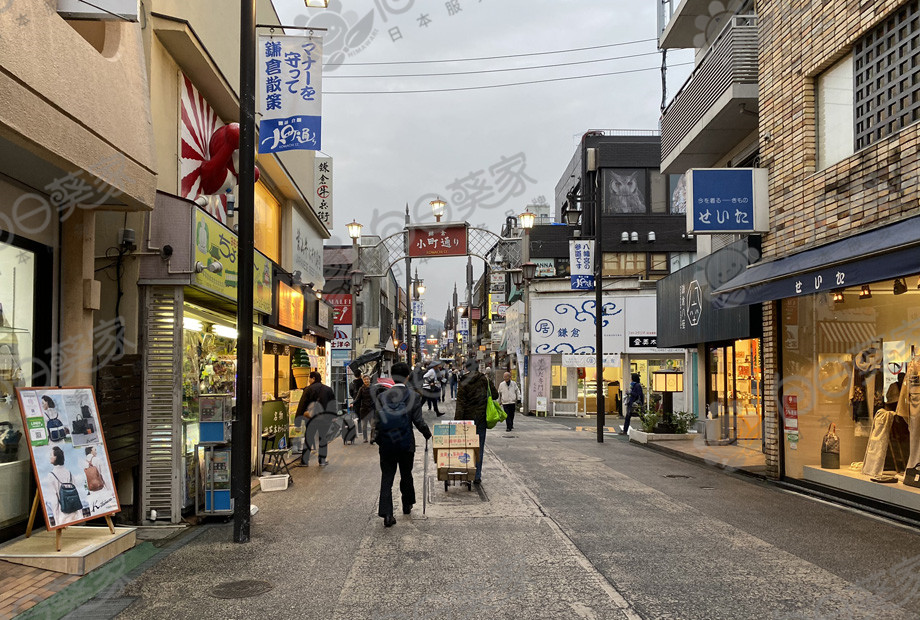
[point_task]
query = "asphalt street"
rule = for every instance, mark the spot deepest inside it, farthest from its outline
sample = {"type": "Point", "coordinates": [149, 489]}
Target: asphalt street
{"type": "Point", "coordinates": [563, 527]}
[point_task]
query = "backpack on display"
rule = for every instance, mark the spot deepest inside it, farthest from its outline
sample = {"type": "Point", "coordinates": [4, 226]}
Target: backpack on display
{"type": "Point", "coordinates": [68, 496]}
{"type": "Point", "coordinates": [94, 480]}
{"type": "Point", "coordinates": [56, 430]}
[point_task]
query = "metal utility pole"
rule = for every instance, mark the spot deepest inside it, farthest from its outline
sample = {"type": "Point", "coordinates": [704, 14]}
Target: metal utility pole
{"type": "Point", "coordinates": [241, 434]}
{"type": "Point", "coordinates": [469, 306]}
{"type": "Point", "coordinates": [590, 191]}
{"type": "Point", "coordinates": [408, 335]}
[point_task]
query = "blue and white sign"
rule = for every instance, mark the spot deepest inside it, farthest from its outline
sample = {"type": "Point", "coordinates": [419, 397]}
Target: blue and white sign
{"type": "Point", "coordinates": [581, 263]}
{"type": "Point", "coordinates": [290, 77]}
{"type": "Point", "coordinates": [727, 200]}
{"type": "Point", "coordinates": [418, 313]}
{"type": "Point", "coordinates": [567, 324]}
{"type": "Point", "coordinates": [464, 325]}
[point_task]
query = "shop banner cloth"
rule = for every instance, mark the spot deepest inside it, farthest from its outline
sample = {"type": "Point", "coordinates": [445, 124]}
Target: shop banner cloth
{"type": "Point", "coordinates": [581, 261]}
{"type": "Point", "coordinates": [290, 77]}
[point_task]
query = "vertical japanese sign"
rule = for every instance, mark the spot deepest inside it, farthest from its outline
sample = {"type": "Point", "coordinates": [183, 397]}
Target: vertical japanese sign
{"type": "Point", "coordinates": [541, 374]}
{"type": "Point", "coordinates": [418, 311]}
{"type": "Point", "coordinates": [322, 189]}
{"type": "Point", "coordinates": [290, 93]}
{"type": "Point", "coordinates": [464, 326]}
{"type": "Point", "coordinates": [581, 259]}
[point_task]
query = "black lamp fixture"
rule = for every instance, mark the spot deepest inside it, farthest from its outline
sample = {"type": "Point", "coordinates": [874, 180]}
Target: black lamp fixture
{"type": "Point", "coordinates": [900, 286]}
{"type": "Point", "coordinates": [357, 281]}
{"type": "Point", "coordinates": [838, 296]}
{"type": "Point", "coordinates": [572, 216]}
{"type": "Point", "coordinates": [865, 292]}
{"type": "Point", "coordinates": [517, 277]}
{"type": "Point", "coordinates": [529, 271]}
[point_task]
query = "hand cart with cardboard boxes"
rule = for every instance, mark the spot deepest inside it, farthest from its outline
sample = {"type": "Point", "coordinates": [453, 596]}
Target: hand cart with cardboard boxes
{"type": "Point", "coordinates": [456, 452]}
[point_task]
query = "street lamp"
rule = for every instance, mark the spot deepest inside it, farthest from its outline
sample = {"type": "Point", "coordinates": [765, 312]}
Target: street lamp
{"type": "Point", "coordinates": [420, 284]}
{"type": "Point", "coordinates": [354, 230]}
{"type": "Point", "coordinates": [437, 207]}
{"type": "Point", "coordinates": [528, 271]}
{"type": "Point", "coordinates": [357, 283]}
{"type": "Point", "coordinates": [527, 219]}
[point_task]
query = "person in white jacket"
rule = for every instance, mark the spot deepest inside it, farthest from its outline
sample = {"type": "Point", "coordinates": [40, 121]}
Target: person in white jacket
{"type": "Point", "coordinates": [508, 395]}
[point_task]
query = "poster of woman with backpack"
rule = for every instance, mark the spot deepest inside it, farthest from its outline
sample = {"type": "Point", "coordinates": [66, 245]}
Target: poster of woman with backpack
{"type": "Point", "coordinates": [69, 455]}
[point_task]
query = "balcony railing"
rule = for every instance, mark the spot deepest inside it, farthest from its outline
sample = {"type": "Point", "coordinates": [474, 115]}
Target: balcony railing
{"type": "Point", "coordinates": [732, 59]}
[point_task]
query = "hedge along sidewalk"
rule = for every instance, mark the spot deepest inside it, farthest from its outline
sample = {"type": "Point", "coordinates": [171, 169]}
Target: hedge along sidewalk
{"type": "Point", "coordinates": [96, 593]}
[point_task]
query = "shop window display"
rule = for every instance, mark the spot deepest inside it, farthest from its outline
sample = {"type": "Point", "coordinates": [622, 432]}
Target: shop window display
{"type": "Point", "coordinates": [851, 390]}
{"type": "Point", "coordinates": [17, 295]}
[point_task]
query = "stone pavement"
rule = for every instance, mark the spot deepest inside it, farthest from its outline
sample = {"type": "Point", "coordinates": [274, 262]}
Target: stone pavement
{"type": "Point", "coordinates": [563, 527]}
{"type": "Point", "coordinates": [24, 587]}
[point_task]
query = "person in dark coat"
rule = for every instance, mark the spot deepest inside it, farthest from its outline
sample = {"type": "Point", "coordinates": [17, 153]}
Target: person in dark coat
{"type": "Point", "coordinates": [471, 405]}
{"type": "Point", "coordinates": [353, 388]}
{"type": "Point", "coordinates": [397, 409]}
{"type": "Point", "coordinates": [317, 409]}
{"type": "Point", "coordinates": [364, 407]}
{"type": "Point", "coordinates": [636, 397]}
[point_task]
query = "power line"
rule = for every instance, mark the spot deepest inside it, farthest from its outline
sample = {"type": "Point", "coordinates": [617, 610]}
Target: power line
{"type": "Point", "coordinates": [449, 90]}
{"type": "Point", "coordinates": [565, 51]}
{"type": "Point", "coordinates": [562, 64]}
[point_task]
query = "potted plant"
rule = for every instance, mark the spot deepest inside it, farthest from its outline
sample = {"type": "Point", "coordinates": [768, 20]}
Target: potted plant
{"type": "Point", "coordinates": [300, 368]}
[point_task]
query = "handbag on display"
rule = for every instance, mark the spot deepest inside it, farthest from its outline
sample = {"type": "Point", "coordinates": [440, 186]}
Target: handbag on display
{"type": "Point", "coordinates": [830, 449]}
{"type": "Point", "coordinates": [912, 477]}
{"type": "Point", "coordinates": [9, 442]}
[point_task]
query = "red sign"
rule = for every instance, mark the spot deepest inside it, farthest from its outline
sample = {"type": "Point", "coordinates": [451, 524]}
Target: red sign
{"type": "Point", "coordinates": [341, 308]}
{"type": "Point", "coordinates": [791, 412]}
{"type": "Point", "coordinates": [477, 314]}
{"type": "Point", "coordinates": [437, 241]}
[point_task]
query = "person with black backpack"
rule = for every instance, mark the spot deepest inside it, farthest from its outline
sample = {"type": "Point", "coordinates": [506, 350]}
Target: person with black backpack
{"type": "Point", "coordinates": [396, 410]}
{"type": "Point", "coordinates": [65, 500]}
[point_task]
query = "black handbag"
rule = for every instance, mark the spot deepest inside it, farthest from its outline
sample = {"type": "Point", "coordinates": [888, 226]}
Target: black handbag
{"type": "Point", "coordinates": [9, 442]}
{"type": "Point", "coordinates": [830, 449]}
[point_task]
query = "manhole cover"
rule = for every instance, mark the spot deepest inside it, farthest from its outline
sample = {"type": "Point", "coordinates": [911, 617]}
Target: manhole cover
{"type": "Point", "coordinates": [241, 589]}
{"type": "Point", "coordinates": [675, 476]}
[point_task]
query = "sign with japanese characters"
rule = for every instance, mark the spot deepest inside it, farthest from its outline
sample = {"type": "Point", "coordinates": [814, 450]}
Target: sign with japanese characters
{"type": "Point", "coordinates": [341, 337]}
{"type": "Point", "coordinates": [641, 325]}
{"type": "Point", "coordinates": [322, 189]}
{"type": "Point", "coordinates": [464, 326]}
{"type": "Point", "coordinates": [589, 361]}
{"type": "Point", "coordinates": [306, 251]}
{"type": "Point", "coordinates": [215, 243]}
{"type": "Point", "coordinates": [497, 282]}
{"type": "Point", "coordinates": [450, 335]}
{"type": "Point", "coordinates": [437, 241]}
{"type": "Point", "coordinates": [567, 324]}
{"type": "Point", "coordinates": [581, 259]}
{"type": "Point", "coordinates": [418, 312]}
{"type": "Point", "coordinates": [541, 377]}
{"type": "Point", "coordinates": [341, 308]}
{"type": "Point", "coordinates": [289, 70]}
{"type": "Point", "coordinates": [727, 200]}
{"type": "Point", "coordinates": [546, 267]}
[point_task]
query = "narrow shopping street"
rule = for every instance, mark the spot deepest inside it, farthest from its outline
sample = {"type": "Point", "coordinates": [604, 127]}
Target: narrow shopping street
{"type": "Point", "coordinates": [562, 527]}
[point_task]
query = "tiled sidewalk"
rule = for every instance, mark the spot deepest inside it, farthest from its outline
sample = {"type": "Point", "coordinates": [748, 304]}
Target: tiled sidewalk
{"type": "Point", "coordinates": [22, 587]}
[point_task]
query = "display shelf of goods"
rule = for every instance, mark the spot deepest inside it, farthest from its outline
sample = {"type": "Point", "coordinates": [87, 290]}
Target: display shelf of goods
{"type": "Point", "coordinates": [300, 367]}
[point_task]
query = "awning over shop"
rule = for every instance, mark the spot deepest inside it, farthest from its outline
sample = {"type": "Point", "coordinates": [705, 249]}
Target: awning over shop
{"type": "Point", "coordinates": [882, 254]}
{"type": "Point", "coordinates": [844, 336]}
{"type": "Point", "coordinates": [282, 338]}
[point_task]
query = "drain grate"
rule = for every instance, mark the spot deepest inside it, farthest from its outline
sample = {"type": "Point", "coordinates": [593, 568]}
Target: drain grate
{"type": "Point", "coordinates": [241, 589]}
{"type": "Point", "coordinates": [675, 476]}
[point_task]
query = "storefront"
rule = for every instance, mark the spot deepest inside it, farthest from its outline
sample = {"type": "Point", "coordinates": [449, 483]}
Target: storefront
{"type": "Point", "coordinates": [562, 327]}
{"type": "Point", "coordinates": [848, 337]}
{"type": "Point", "coordinates": [25, 328]}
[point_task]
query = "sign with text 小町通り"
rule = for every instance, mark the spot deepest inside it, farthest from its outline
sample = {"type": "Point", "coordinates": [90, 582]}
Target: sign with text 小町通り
{"type": "Point", "coordinates": [215, 243]}
{"type": "Point", "coordinates": [289, 70]}
{"type": "Point", "coordinates": [727, 200]}
{"type": "Point", "coordinates": [69, 455]}
{"type": "Point", "coordinates": [437, 241]}
{"type": "Point", "coordinates": [581, 259]}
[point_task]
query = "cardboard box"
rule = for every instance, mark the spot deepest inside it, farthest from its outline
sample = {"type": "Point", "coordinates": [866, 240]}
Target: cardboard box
{"type": "Point", "coordinates": [454, 441]}
{"type": "Point", "coordinates": [454, 428]}
{"type": "Point", "coordinates": [456, 458]}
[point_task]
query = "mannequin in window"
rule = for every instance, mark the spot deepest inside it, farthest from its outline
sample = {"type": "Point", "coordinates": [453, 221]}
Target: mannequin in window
{"type": "Point", "coordinates": [867, 385]}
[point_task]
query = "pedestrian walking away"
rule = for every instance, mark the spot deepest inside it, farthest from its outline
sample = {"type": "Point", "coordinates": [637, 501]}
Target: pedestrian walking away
{"type": "Point", "coordinates": [396, 410]}
{"type": "Point", "coordinates": [636, 397]}
{"type": "Point", "coordinates": [471, 405]}
{"type": "Point", "coordinates": [364, 408]}
{"type": "Point", "coordinates": [316, 411]}
{"type": "Point", "coordinates": [431, 388]}
{"type": "Point", "coordinates": [508, 395]}
{"type": "Point", "coordinates": [353, 388]}
{"type": "Point", "coordinates": [442, 381]}
{"type": "Point", "coordinates": [452, 379]}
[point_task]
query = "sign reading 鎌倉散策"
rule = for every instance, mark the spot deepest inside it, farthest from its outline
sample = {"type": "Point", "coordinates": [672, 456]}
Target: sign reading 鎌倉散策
{"type": "Point", "coordinates": [581, 259]}
{"type": "Point", "coordinates": [727, 200]}
{"type": "Point", "coordinates": [289, 70]}
{"type": "Point", "coordinates": [322, 189]}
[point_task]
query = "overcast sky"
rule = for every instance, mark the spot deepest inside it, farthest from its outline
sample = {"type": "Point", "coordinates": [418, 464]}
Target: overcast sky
{"type": "Point", "coordinates": [511, 143]}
